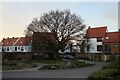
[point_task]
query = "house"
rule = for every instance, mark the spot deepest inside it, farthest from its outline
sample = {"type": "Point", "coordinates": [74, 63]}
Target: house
{"type": "Point", "coordinates": [16, 48]}
{"type": "Point", "coordinates": [102, 45]}
{"type": "Point", "coordinates": [111, 44]}
{"type": "Point", "coordinates": [44, 45]}
{"type": "Point", "coordinates": [95, 37]}
{"type": "Point", "coordinates": [94, 40]}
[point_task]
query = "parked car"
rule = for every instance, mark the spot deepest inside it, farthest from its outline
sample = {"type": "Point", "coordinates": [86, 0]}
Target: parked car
{"type": "Point", "coordinates": [67, 57]}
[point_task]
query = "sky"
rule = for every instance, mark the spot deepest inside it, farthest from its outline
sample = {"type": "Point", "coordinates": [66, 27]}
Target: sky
{"type": "Point", "coordinates": [17, 15]}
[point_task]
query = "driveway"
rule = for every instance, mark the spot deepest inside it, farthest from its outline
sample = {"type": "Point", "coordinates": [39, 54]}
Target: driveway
{"type": "Point", "coordinates": [62, 73]}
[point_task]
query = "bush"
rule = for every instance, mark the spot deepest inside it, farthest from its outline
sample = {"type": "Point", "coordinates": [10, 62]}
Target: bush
{"type": "Point", "coordinates": [105, 74]}
{"type": "Point", "coordinates": [34, 65]}
{"type": "Point", "coordinates": [44, 67]}
{"type": "Point", "coordinates": [109, 66]}
{"type": "Point", "coordinates": [10, 63]}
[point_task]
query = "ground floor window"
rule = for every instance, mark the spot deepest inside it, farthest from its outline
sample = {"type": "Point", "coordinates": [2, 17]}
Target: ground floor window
{"type": "Point", "coordinates": [107, 47]}
{"type": "Point", "coordinates": [99, 47]}
{"type": "Point", "coordinates": [115, 45]}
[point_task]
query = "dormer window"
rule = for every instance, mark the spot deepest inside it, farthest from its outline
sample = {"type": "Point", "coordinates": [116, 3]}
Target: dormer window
{"type": "Point", "coordinates": [99, 39]}
{"type": "Point", "coordinates": [107, 37]}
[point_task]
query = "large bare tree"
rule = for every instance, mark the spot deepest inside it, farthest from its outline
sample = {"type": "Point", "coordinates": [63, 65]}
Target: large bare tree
{"type": "Point", "coordinates": [63, 25]}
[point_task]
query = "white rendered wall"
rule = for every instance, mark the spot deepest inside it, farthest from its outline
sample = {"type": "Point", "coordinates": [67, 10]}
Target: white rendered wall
{"type": "Point", "coordinates": [93, 45]}
{"type": "Point", "coordinates": [12, 48]}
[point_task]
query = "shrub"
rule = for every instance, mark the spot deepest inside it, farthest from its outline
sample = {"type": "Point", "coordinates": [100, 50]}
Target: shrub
{"type": "Point", "coordinates": [44, 67]}
{"type": "Point", "coordinates": [34, 65]}
{"type": "Point", "coordinates": [105, 74]}
{"type": "Point", "coordinates": [10, 63]}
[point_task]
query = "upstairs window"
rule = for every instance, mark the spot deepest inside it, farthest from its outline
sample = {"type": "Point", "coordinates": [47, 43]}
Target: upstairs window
{"type": "Point", "coordinates": [15, 48]}
{"type": "Point", "coordinates": [99, 47]}
{"type": "Point", "coordinates": [107, 38]}
{"type": "Point", "coordinates": [115, 45]}
{"type": "Point", "coordinates": [22, 48]}
{"type": "Point", "coordinates": [18, 48]}
{"type": "Point", "coordinates": [99, 39]}
{"type": "Point", "coordinates": [10, 48]}
{"type": "Point", "coordinates": [7, 48]}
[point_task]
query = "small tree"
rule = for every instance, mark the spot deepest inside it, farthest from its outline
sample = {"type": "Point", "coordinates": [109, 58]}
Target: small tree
{"type": "Point", "coordinates": [63, 25]}
{"type": "Point", "coordinates": [83, 44]}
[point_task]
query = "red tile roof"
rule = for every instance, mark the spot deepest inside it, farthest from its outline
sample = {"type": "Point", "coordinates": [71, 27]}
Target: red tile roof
{"type": "Point", "coordinates": [112, 37]}
{"type": "Point", "coordinates": [8, 41]}
{"type": "Point", "coordinates": [22, 41]}
{"type": "Point", "coordinates": [96, 32]}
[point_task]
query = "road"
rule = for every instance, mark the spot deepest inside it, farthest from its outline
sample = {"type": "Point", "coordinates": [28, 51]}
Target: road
{"type": "Point", "coordinates": [62, 73]}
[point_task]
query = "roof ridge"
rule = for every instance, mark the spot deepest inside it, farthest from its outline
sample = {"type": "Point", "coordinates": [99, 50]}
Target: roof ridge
{"type": "Point", "coordinates": [98, 27]}
{"type": "Point", "coordinates": [113, 32]}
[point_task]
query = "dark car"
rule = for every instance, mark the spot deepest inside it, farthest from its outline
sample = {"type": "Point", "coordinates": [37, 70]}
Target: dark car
{"type": "Point", "coordinates": [67, 57]}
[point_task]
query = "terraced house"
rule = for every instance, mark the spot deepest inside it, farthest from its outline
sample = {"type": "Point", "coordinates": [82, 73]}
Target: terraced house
{"type": "Point", "coordinates": [16, 48]}
{"type": "Point", "coordinates": [102, 44]}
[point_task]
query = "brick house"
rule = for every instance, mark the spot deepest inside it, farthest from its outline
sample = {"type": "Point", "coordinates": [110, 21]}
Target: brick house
{"type": "Point", "coordinates": [111, 45]}
{"type": "Point", "coordinates": [43, 45]}
{"type": "Point", "coordinates": [16, 48]}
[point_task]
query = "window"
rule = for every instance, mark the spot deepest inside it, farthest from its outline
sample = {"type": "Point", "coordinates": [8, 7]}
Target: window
{"type": "Point", "coordinates": [25, 48]}
{"type": "Point", "coordinates": [88, 48]}
{"type": "Point", "coordinates": [99, 39]}
{"type": "Point", "coordinates": [10, 48]}
{"type": "Point", "coordinates": [99, 47]}
{"type": "Point", "coordinates": [47, 47]}
{"type": "Point", "coordinates": [18, 48]}
{"type": "Point", "coordinates": [107, 38]}
{"type": "Point", "coordinates": [22, 48]}
{"type": "Point", "coordinates": [7, 48]}
{"type": "Point", "coordinates": [40, 47]}
{"type": "Point", "coordinates": [107, 47]}
{"type": "Point", "coordinates": [15, 48]}
{"type": "Point", "coordinates": [115, 45]}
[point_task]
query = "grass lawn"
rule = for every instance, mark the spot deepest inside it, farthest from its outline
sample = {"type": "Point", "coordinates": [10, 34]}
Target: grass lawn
{"type": "Point", "coordinates": [13, 65]}
{"type": "Point", "coordinates": [41, 61]}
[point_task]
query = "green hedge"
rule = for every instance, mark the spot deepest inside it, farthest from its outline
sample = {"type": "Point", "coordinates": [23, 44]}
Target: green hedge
{"type": "Point", "coordinates": [105, 74]}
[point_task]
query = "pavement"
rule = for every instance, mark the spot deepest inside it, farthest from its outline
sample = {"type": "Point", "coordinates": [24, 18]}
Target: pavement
{"type": "Point", "coordinates": [60, 73]}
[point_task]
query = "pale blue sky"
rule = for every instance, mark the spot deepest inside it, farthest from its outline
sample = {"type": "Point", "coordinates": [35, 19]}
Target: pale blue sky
{"type": "Point", "coordinates": [17, 15]}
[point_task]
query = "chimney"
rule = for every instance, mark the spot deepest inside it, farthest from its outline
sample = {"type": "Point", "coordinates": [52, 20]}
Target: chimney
{"type": "Point", "coordinates": [89, 27]}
